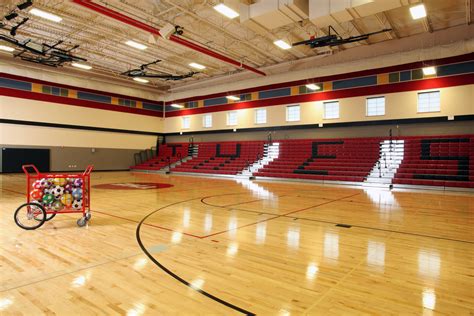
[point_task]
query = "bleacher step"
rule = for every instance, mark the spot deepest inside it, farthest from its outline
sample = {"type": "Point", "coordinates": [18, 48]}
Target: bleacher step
{"type": "Point", "coordinates": [390, 158]}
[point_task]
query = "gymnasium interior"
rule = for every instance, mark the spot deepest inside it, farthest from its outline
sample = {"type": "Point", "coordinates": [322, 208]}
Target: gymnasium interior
{"type": "Point", "coordinates": [229, 157]}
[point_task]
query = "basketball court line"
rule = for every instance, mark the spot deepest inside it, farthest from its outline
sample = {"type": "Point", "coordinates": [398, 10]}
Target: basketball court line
{"type": "Point", "coordinates": [335, 223]}
{"type": "Point", "coordinates": [391, 205]}
{"type": "Point", "coordinates": [151, 225]}
{"type": "Point", "coordinates": [188, 284]}
{"type": "Point", "coordinates": [70, 272]}
{"type": "Point", "coordinates": [276, 215]}
{"type": "Point", "coordinates": [174, 275]}
{"type": "Point", "coordinates": [12, 191]}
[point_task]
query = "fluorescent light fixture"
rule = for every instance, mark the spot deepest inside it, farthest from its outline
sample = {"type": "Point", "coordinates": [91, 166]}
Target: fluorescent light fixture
{"type": "Point", "coordinates": [46, 15]}
{"type": "Point", "coordinates": [232, 97]}
{"type": "Point", "coordinates": [282, 44]}
{"type": "Point", "coordinates": [141, 80]}
{"type": "Point", "coordinates": [313, 86]}
{"type": "Point", "coordinates": [6, 48]}
{"type": "Point", "coordinates": [176, 105]}
{"type": "Point", "coordinates": [136, 45]}
{"type": "Point", "coordinates": [418, 11]}
{"type": "Point", "coordinates": [197, 66]}
{"type": "Point", "coordinates": [429, 71]}
{"type": "Point", "coordinates": [82, 66]}
{"type": "Point", "coordinates": [225, 10]}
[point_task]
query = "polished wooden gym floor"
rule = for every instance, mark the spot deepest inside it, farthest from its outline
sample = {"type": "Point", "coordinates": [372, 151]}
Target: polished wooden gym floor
{"type": "Point", "coordinates": [218, 247]}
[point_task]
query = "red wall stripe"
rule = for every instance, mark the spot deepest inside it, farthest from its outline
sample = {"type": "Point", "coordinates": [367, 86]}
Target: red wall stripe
{"type": "Point", "coordinates": [362, 73]}
{"type": "Point", "coordinates": [76, 102]}
{"type": "Point", "coordinates": [49, 83]}
{"type": "Point", "coordinates": [433, 83]}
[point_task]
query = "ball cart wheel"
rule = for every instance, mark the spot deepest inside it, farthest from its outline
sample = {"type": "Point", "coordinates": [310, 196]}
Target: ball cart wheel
{"type": "Point", "coordinates": [88, 216]}
{"type": "Point", "coordinates": [81, 222]}
{"type": "Point", "coordinates": [49, 217]}
{"type": "Point", "coordinates": [30, 216]}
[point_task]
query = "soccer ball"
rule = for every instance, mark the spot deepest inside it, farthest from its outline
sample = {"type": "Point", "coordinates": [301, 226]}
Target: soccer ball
{"type": "Point", "coordinates": [67, 199]}
{"type": "Point", "coordinates": [77, 204]}
{"type": "Point", "coordinates": [45, 183]}
{"type": "Point", "coordinates": [68, 188]}
{"type": "Point", "coordinates": [78, 183]}
{"type": "Point", "coordinates": [57, 191]}
{"type": "Point", "coordinates": [48, 199]}
{"type": "Point", "coordinates": [59, 181]}
{"type": "Point", "coordinates": [77, 194]}
{"type": "Point", "coordinates": [57, 206]}
{"type": "Point", "coordinates": [36, 194]}
{"type": "Point", "coordinates": [36, 184]}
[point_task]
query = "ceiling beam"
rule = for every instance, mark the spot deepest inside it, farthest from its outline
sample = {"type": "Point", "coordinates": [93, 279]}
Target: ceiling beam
{"type": "Point", "coordinates": [176, 39]}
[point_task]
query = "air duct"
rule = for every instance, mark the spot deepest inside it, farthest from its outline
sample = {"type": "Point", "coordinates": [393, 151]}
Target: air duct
{"type": "Point", "coordinates": [330, 12]}
{"type": "Point", "coordinates": [272, 14]}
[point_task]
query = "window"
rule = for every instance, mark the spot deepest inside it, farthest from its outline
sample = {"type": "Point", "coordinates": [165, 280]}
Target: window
{"type": "Point", "coordinates": [429, 102]}
{"type": "Point", "coordinates": [376, 106]}
{"type": "Point", "coordinates": [55, 91]}
{"type": "Point", "coordinates": [293, 113]}
{"type": "Point", "coordinates": [260, 116]}
{"type": "Point", "coordinates": [246, 97]}
{"type": "Point", "coordinates": [186, 122]}
{"type": "Point", "coordinates": [207, 120]}
{"type": "Point", "coordinates": [191, 104]}
{"type": "Point", "coordinates": [331, 110]}
{"type": "Point", "coordinates": [232, 118]}
{"type": "Point", "coordinates": [126, 102]}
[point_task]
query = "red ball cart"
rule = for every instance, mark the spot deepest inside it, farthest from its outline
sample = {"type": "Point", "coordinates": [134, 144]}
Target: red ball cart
{"type": "Point", "coordinates": [48, 194]}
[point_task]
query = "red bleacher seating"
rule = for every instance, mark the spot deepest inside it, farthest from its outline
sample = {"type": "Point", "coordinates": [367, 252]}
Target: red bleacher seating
{"type": "Point", "coordinates": [227, 158]}
{"type": "Point", "coordinates": [438, 161]}
{"type": "Point", "coordinates": [166, 155]}
{"type": "Point", "coordinates": [330, 159]}
{"type": "Point", "coordinates": [428, 160]}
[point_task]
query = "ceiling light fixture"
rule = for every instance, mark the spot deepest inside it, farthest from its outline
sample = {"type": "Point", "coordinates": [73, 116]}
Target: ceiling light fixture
{"type": "Point", "coordinates": [6, 48]}
{"type": "Point", "coordinates": [282, 44]}
{"type": "Point", "coordinates": [418, 11]}
{"type": "Point", "coordinates": [225, 10]}
{"type": "Point", "coordinates": [176, 105]}
{"type": "Point", "coordinates": [136, 45]}
{"type": "Point", "coordinates": [46, 15]}
{"type": "Point", "coordinates": [429, 71]}
{"type": "Point", "coordinates": [232, 97]}
{"type": "Point", "coordinates": [82, 66]}
{"type": "Point", "coordinates": [197, 66]}
{"type": "Point", "coordinates": [312, 86]}
{"type": "Point", "coordinates": [141, 80]}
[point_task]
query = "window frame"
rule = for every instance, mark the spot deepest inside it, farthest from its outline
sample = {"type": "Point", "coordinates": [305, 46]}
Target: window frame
{"type": "Point", "coordinates": [338, 110]}
{"type": "Point", "coordinates": [376, 111]}
{"type": "Point", "coordinates": [188, 120]}
{"type": "Point", "coordinates": [204, 120]}
{"type": "Point", "coordinates": [256, 116]}
{"type": "Point", "coordinates": [418, 111]}
{"type": "Point", "coordinates": [236, 118]}
{"type": "Point", "coordinates": [287, 110]}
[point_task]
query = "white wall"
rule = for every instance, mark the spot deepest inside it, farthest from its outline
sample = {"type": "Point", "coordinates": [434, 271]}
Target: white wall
{"type": "Point", "coordinates": [454, 101]}
{"type": "Point", "coordinates": [39, 111]}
